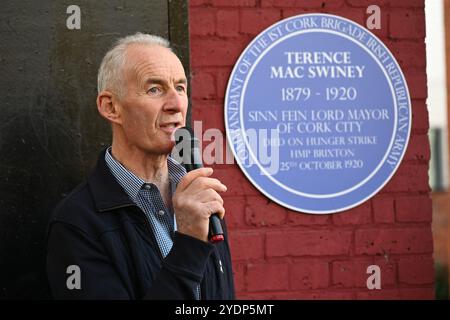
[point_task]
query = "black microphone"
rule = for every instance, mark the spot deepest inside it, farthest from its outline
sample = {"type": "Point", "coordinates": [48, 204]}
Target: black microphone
{"type": "Point", "coordinates": [188, 148]}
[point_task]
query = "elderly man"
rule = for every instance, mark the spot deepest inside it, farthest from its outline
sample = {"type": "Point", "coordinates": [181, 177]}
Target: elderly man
{"type": "Point", "coordinates": [138, 227]}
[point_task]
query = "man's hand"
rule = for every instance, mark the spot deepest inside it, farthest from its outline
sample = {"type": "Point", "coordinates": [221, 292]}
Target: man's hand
{"type": "Point", "coordinates": [195, 200]}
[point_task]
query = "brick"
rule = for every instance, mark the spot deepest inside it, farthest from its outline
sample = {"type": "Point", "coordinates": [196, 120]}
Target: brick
{"type": "Point", "coordinates": [228, 23]}
{"type": "Point", "coordinates": [203, 85]}
{"type": "Point", "coordinates": [416, 270]}
{"type": "Point", "coordinates": [393, 241]}
{"type": "Point", "coordinates": [277, 3]}
{"type": "Point", "coordinates": [239, 277]}
{"type": "Point", "coordinates": [418, 148]}
{"type": "Point", "coordinates": [302, 219]}
{"type": "Point", "coordinates": [248, 187]}
{"type": "Point", "coordinates": [237, 184]}
{"type": "Point", "coordinates": [244, 296]}
{"type": "Point", "coordinates": [254, 21]}
{"type": "Point", "coordinates": [408, 53]}
{"type": "Point", "coordinates": [286, 13]}
{"type": "Point", "coordinates": [234, 3]}
{"type": "Point", "coordinates": [409, 178]}
{"type": "Point", "coordinates": [309, 275]}
{"type": "Point", "coordinates": [417, 83]}
{"type": "Point", "coordinates": [215, 52]}
{"type": "Point", "coordinates": [208, 114]}
{"type": "Point", "coordinates": [355, 14]}
{"type": "Point", "coordinates": [366, 3]}
{"type": "Point", "coordinates": [407, 3]}
{"type": "Point", "coordinates": [420, 122]}
{"type": "Point", "coordinates": [203, 22]}
{"type": "Point", "coordinates": [359, 215]}
{"type": "Point", "coordinates": [328, 4]}
{"type": "Point", "coordinates": [350, 273]}
{"type": "Point", "coordinates": [413, 208]}
{"type": "Point", "coordinates": [397, 294]}
{"type": "Point", "coordinates": [353, 273]}
{"type": "Point", "coordinates": [277, 244]}
{"type": "Point", "coordinates": [388, 269]}
{"type": "Point", "coordinates": [329, 295]}
{"type": "Point", "coordinates": [406, 24]}
{"type": "Point", "coordinates": [234, 211]}
{"type": "Point", "coordinates": [222, 82]}
{"type": "Point", "coordinates": [260, 211]}
{"type": "Point", "coordinates": [267, 277]}
{"type": "Point", "coordinates": [302, 3]}
{"type": "Point", "coordinates": [210, 117]}
{"type": "Point", "coordinates": [383, 209]}
{"type": "Point", "coordinates": [320, 294]}
{"type": "Point", "coordinates": [246, 245]}
{"type": "Point", "coordinates": [308, 243]}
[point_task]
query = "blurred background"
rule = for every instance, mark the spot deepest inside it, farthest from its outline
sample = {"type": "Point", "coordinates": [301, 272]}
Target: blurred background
{"type": "Point", "coordinates": [438, 71]}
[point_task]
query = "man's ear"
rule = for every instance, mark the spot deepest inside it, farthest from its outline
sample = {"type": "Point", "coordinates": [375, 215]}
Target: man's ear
{"type": "Point", "coordinates": [107, 106]}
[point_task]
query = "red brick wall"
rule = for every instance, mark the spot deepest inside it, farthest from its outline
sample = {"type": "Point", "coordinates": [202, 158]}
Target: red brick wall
{"type": "Point", "coordinates": [281, 254]}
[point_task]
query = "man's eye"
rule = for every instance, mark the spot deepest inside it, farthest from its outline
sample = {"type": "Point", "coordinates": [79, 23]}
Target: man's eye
{"type": "Point", "coordinates": [181, 89]}
{"type": "Point", "coordinates": [154, 90]}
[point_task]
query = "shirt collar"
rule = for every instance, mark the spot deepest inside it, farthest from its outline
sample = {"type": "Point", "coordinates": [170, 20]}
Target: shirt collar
{"type": "Point", "coordinates": [132, 184]}
{"type": "Point", "coordinates": [176, 172]}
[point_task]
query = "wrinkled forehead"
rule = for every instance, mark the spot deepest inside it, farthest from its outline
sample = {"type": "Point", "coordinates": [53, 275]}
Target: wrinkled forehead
{"type": "Point", "coordinates": [143, 61]}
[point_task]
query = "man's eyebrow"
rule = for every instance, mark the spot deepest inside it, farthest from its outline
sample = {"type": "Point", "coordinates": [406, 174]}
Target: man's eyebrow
{"type": "Point", "coordinates": [162, 81]}
{"type": "Point", "coordinates": [155, 80]}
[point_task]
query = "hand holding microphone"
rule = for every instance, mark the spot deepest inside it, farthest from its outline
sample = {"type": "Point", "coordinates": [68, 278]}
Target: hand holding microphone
{"type": "Point", "coordinates": [197, 202]}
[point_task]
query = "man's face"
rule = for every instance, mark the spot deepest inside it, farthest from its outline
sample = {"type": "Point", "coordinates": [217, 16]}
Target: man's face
{"type": "Point", "coordinates": [155, 101]}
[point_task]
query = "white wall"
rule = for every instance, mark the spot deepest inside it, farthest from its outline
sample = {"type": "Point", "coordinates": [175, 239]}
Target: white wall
{"type": "Point", "coordinates": [437, 88]}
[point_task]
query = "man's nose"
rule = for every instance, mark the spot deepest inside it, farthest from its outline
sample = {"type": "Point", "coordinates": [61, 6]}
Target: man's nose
{"type": "Point", "coordinates": [175, 101]}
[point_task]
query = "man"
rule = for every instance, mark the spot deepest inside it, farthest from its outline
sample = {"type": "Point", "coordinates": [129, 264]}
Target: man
{"type": "Point", "coordinates": [138, 228]}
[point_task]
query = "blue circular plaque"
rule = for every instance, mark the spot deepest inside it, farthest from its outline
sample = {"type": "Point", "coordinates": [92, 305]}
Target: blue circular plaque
{"type": "Point", "coordinates": [317, 113]}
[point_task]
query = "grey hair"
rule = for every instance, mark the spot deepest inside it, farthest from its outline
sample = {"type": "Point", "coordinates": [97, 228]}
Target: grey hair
{"type": "Point", "coordinates": [110, 73]}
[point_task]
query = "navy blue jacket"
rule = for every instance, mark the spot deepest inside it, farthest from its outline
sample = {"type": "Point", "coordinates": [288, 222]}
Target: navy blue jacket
{"type": "Point", "coordinates": [100, 230]}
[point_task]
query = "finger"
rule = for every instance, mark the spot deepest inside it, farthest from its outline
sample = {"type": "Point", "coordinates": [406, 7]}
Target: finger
{"type": "Point", "coordinates": [221, 214]}
{"type": "Point", "coordinates": [209, 195]}
{"type": "Point", "coordinates": [208, 183]}
{"type": "Point", "coordinates": [215, 207]}
{"type": "Point", "coordinates": [192, 175]}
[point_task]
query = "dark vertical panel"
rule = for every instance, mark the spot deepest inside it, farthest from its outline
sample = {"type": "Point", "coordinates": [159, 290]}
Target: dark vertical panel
{"type": "Point", "coordinates": [25, 158]}
{"type": "Point", "coordinates": [50, 132]}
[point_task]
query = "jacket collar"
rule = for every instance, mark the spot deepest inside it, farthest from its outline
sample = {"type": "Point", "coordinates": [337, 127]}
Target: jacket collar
{"type": "Point", "coordinates": [108, 194]}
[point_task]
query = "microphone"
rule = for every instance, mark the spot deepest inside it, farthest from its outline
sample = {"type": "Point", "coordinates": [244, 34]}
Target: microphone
{"type": "Point", "coordinates": [188, 148]}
